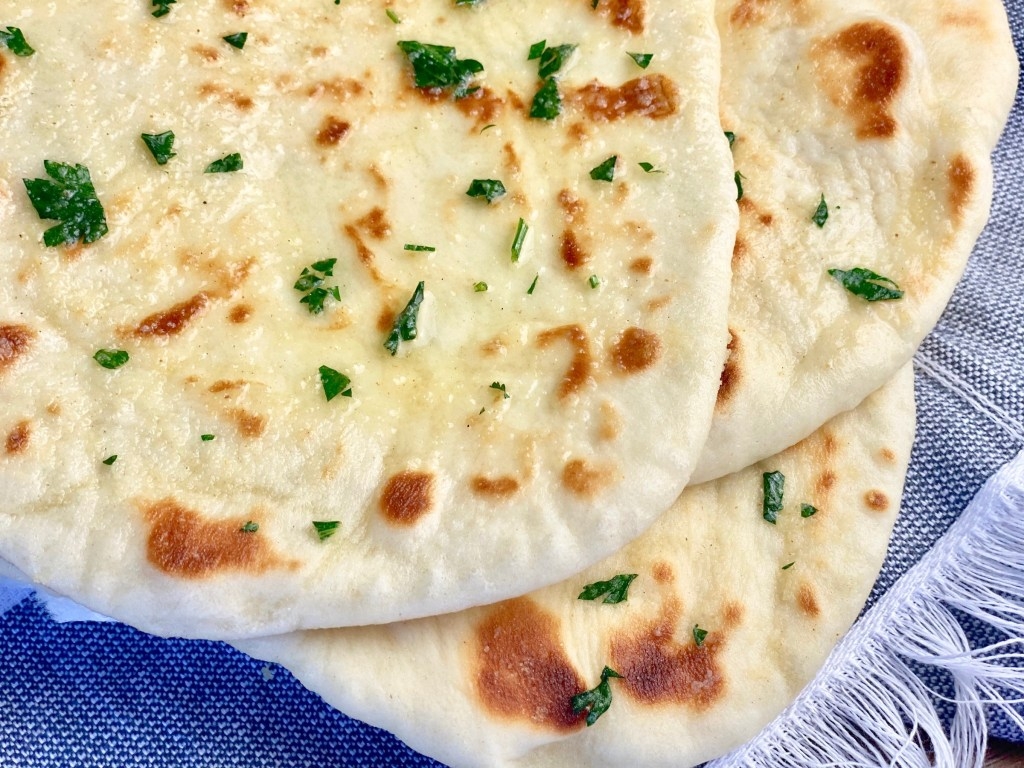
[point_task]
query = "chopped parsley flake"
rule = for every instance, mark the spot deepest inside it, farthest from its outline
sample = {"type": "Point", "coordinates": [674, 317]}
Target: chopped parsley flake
{"type": "Point", "coordinates": [594, 281]}
{"type": "Point", "coordinates": [869, 285]}
{"type": "Point", "coordinates": [649, 168]}
{"type": "Point", "coordinates": [250, 527]}
{"type": "Point", "coordinates": [738, 178]}
{"type": "Point", "coordinates": [553, 59]}
{"type": "Point", "coordinates": [699, 635]}
{"type": "Point", "coordinates": [393, 16]}
{"type": "Point", "coordinates": [820, 213]}
{"type": "Point", "coordinates": [533, 285]}
{"type": "Point", "coordinates": [404, 328]}
{"type": "Point", "coordinates": [606, 170]}
{"type": "Point", "coordinates": [162, 7]}
{"type": "Point", "coordinates": [520, 237]}
{"type": "Point", "coordinates": [480, 287]}
{"type": "Point", "coordinates": [501, 388]}
{"type": "Point", "coordinates": [311, 283]}
{"type": "Point", "coordinates": [615, 589]}
{"type": "Point", "coordinates": [731, 137]}
{"type": "Point", "coordinates": [773, 484]}
{"type": "Point", "coordinates": [414, 247]}
{"type": "Point", "coordinates": [111, 358]}
{"type": "Point", "coordinates": [227, 164]}
{"type": "Point", "coordinates": [489, 189]}
{"type": "Point", "coordinates": [110, 460]}
{"type": "Point", "coordinates": [160, 146]}
{"type": "Point", "coordinates": [806, 510]}
{"type": "Point", "coordinates": [596, 701]}
{"type": "Point", "coordinates": [69, 198]}
{"type": "Point", "coordinates": [536, 50]}
{"type": "Point", "coordinates": [207, 438]}
{"type": "Point", "coordinates": [642, 60]}
{"type": "Point", "coordinates": [326, 528]}
{"type": "Point", "coordinates": [436, 66]}
{"type": "Point", "coordinates": [547, 102]}
{"type": "Point", "coordinates": [14, 40]}
{"type": "Point", "coordinates": [334, 383]}
{"type": "Point", "coordinates": [787, 566]}
{"type": "Point", "coordinates": [236, 40]}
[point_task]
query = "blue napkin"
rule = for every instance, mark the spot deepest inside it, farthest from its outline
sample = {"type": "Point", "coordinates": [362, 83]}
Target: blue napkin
{"type": "Point", "coordinates": [89, 694]}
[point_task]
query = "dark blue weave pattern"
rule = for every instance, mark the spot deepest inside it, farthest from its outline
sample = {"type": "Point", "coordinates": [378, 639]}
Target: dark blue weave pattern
{"type": "Point", "coordinates": [106, 695]}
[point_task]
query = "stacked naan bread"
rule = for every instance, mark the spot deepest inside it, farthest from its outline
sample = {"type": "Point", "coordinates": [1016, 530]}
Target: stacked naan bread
{"type": "Point", "coordinates": [431, 307]}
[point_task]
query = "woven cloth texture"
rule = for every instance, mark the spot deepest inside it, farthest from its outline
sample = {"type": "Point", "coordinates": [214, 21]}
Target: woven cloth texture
{"type": "Point", "coordinates": [104, 694]}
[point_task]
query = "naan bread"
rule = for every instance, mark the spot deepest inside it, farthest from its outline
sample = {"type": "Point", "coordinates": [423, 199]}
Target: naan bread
{"type": "Point", "coordinates": [889, 110]}
{"type": "Point", "coordinates": [492, 685]}
{"type": "Point", "coordinates": [528, 430]}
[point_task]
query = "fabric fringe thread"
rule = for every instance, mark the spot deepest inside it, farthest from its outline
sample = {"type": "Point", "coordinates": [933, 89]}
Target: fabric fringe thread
{"type": "Point", "coordinates": [870, 705]}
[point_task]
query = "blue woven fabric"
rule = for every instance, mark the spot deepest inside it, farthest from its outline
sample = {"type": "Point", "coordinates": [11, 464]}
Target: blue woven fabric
{"type": "Point", "coordinates": [104, 694]}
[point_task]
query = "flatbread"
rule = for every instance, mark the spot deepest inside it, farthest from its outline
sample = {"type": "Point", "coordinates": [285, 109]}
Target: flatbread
{"type": "Point", "coordinates": [492, 686]}
{"type": "Point", "coordinates": [888, 111]}
{"type": "Point", "coordinates": [528, 430]}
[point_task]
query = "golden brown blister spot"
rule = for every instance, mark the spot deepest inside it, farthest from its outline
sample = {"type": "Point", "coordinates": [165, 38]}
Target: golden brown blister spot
{"type": "Point", "coordinates": [824, 483]}
{"type": "Point", "coordinates": [624, 14]}
{"type": "Point", "coordinates": [652, 96]}
{"type": "Point", "coordinates": [226, 385]}
{"type": "Point", "coordinates": [807, 600]}
{"type": "Point", "coordinates": [386, 317]}
{"type": "Point", "coordinates": [206, 53]}
{"type": "Point", "coordinates": [739, 252]}
{"type": "Point", "coordinates": [580, 371]}
{"type": "Point", "coordinates": [635, 350]}
{"type": "Point", "coordinates": [887, 455]}
{"type": "Point", "coordinates": [378, 177]}
{"type": "Point", "coordinates": [494, 487]}
{"type": "Point", "coordinates": [960, 176]}
{"type": "Point", "coordinates": [522, 671]}
{"type": "Point", "coordinates": [172, 321]}
{"type": "Point", "coordinates": [877, 56]}
{"type": "Point", "coordinates": [375, 224]}
{"type": "Point", "coordinates": [573, 207]}
{"type": "Point", "coordinates": [182, 543]}
{"type": "Point", "coordinates": [15, 341]}
{"type": "Point", "coordinates": [3, 65]}
{"type": "Point", "coordinates": [663, 573]}
{"type": "Point", "coordinates": [240, 313]}
{"type": "Point", "coordinates": [483, 106]}
{"type": "Point", "coordinates": [748, 12]}
{"type": "Point", "coordinates": [511, 159]}
{"type": "Point", "coordinates": [18, 437]}
{"type": "Point", "coordinates": [407, 497]}
{"type": "Point", "coordinates": [53, 408]}
{"type": "Point", "coordinates": [610, 423]}
{"type": "Point", "coordinates": [573, 255]}
{"type": "Point", "coordinates": [640, 232]}
{"type": "Point", "coordinates": [582, 479]}
{"type": "Point", "coordinates": [338, 89]}
{"type": "Point", "coordinates": [732, 373]}
{"type": "Point", "coordinates": [225, 95]}
{"type": "Point", "coordinates": [332, 131]}
{"type": "Point", "coordinates": [249, 425]}
{"type": "Point", "coordinates": [656, 669]}
{"type": "Point", "coordinates": [659, 302]}
{"type": "Point", "coordinates": [876, 501]}
{"type": "Point", "coordinates": [642, 265]}
{"type": "Point", "coordinates": [494, 347]}
{"type": "Point", "coordinates": [238, 7]}
{"type": "Point", "coordinates": [365, 255]}
{"type": "Point", "coordinates": [732, 615]}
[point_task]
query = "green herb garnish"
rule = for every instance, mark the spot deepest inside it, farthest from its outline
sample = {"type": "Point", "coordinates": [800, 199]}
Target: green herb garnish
{"type": "Point", "coordinates": [393, 16]}
{"type": "Point", "coordinates": [501, 388]}
{"type": "Point", "coordinates": [326, 528]}
{"type": "Point", "coordinates": [160, 146]}
{"type": "Point", "coordinates": [207, 438]}
{"type": "Point", "coordinates": [787, 566]}
{"type": "Point", "coordinates": [110, 460]}
{"type": "Point", "coordinates": [111, 358]}
{"type": "Point", "coordinates": [517, 242]}
{"type": "Point", "coordinates": [533, 285]}
{"type": "Point", "coordinates": [480, 287]}
{"type": "Point", "coordinates": [772, 483]}
{"type": "Point", "coordinates": [236, 40]}
{"type": "Point", "coordinates": [334, 383]}
{"type": "Point", "coordinates": [738, 178]}
{"type": "Point", "coordinates": [414, 247]}
{"type": "Point", "coordinates": [597, 700]}
{"type": "Point", "coordinates": [69, 198]}
{"type": "Point", "coordinates": [250, 527]}
{"type": "Point", "coordinates": [311, 281]}
{"type": "Point", "coordinates": [15, 41]}
{"type": "Point", "coordinates": [821, 213]}
{"type": "Point", "coordinates": [547, 102]}
{"type": "Point", "coordinates": [552, 59]}
{"type": "Point", "coordinates": [869, 285]}
{"type": "Point", "coordinates": [699, 635]}
{"type": "Point", "coordinates": [536, 50]}
{"type": "Point", "coordinates": [606, 170]}
{"type": "Point", "coordinates": [162, 7]}
{"type": "Point", "coordinates": [731, 137]}
{"type": "Point", "coordinates": [614, 589]}
{"type": "Point", "coordinates": [649, 168]}
{"type": "Point", "coordinates": [489, 189]}
{"type": "Point", "coordinates": [436, 66]}
{"type": "Point", "coordinates": [404, 328]}
{"type": "Point", "coordinates": [594, 281]}
{"type": "Point", "coordinates": [806, 510]}
{"type": "Point", "coordinates": [227, 164]}
{"type": "Point", "coordinates": [642, 60]}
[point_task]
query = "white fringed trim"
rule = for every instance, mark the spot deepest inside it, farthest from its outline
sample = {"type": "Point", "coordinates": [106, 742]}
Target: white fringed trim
{"type": "Point", "coordinates": [868, 707]}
